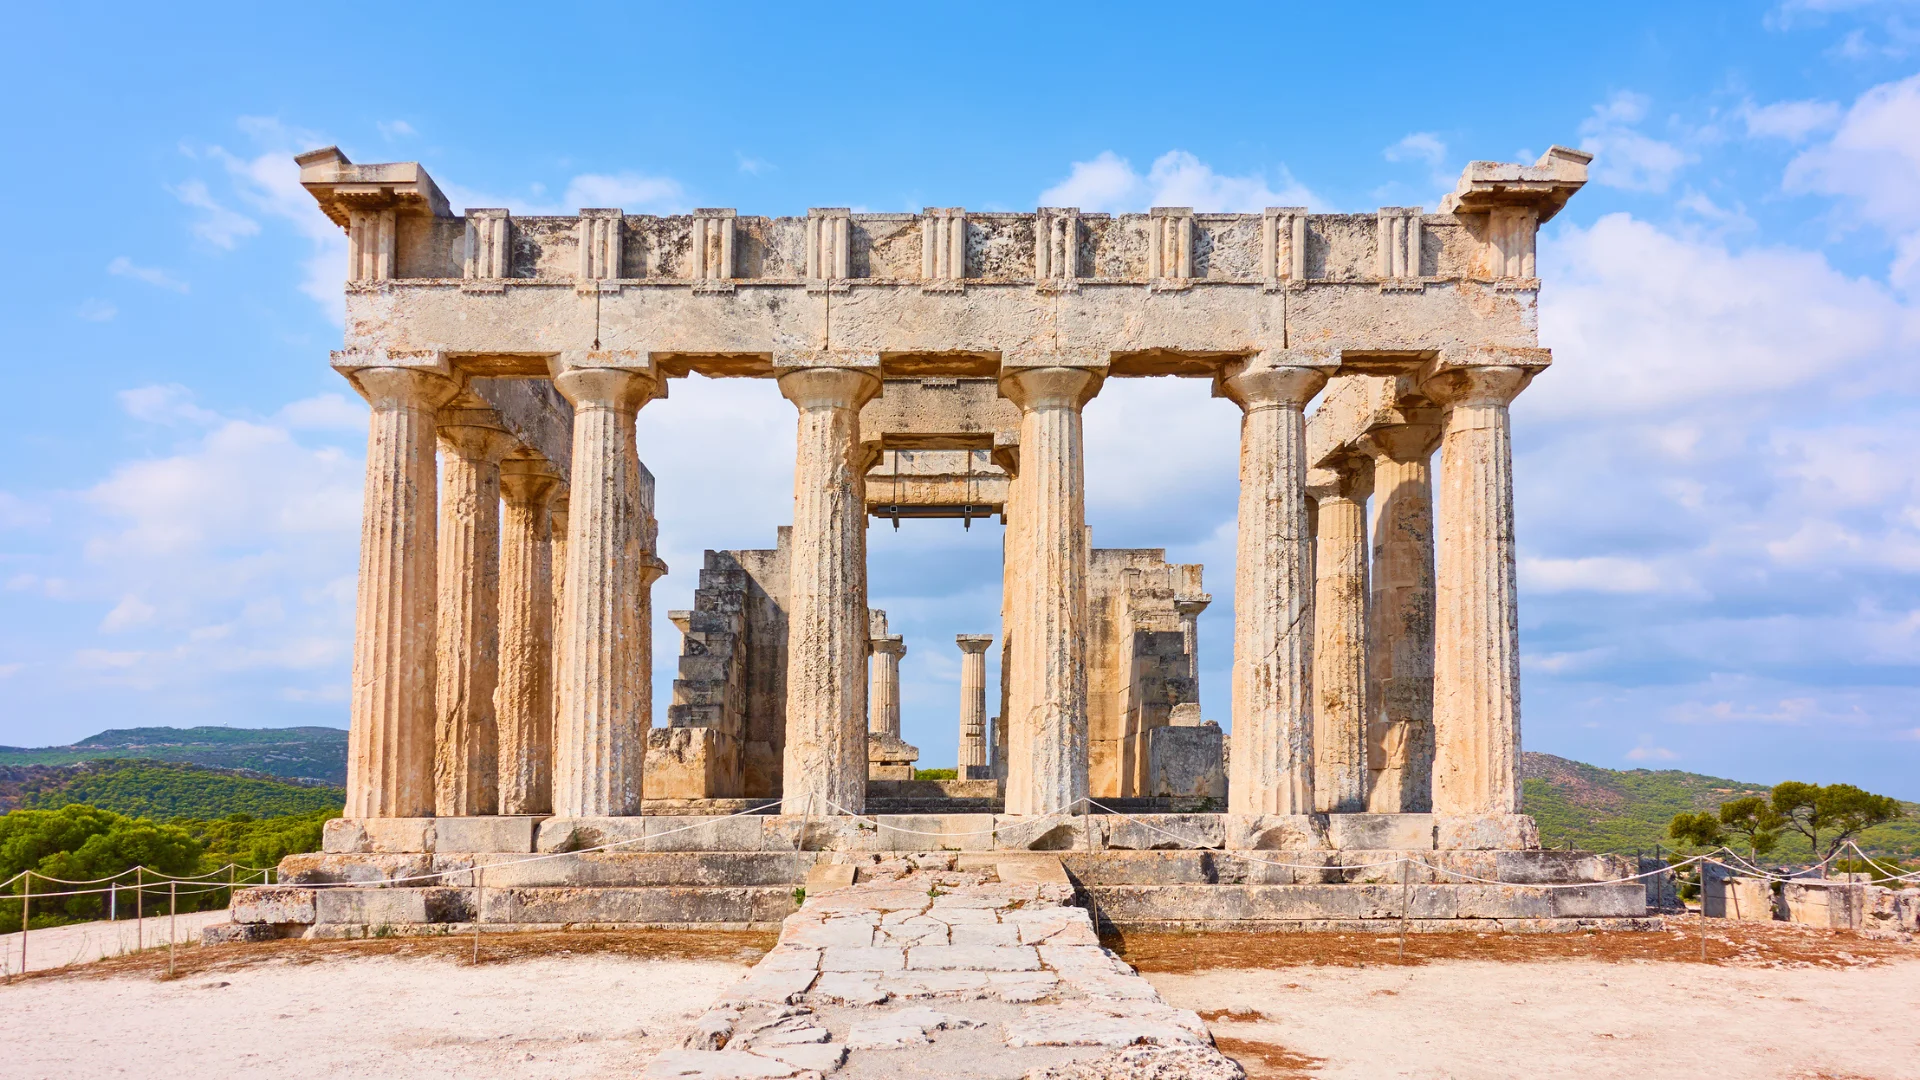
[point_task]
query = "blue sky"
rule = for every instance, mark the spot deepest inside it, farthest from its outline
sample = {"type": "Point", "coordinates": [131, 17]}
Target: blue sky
{"type": "Point", "coordinates": [1719, 496]}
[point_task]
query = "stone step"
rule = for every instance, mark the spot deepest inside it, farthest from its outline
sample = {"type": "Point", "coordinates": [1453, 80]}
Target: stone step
{"type": "Point", "coordinates": [341, 911]}
{"type": "Point", "coordinates": [585, 870]}
{"type": "Point", "coordinates": [1220, 867]}
{"type": "Point", "coordinates": [1161, 905]}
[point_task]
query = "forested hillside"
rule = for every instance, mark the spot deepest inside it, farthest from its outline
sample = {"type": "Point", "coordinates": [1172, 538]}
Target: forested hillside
{"type": "Point", "coordinates": [1627, 810]}
{"type": "Point", "coordinates": [161, 790]}
{"type": "Point", "coordinates": [318, 753]}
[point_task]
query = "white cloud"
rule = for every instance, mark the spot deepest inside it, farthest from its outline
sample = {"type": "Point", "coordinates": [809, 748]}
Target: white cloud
{"type": "Point", "coordinates": [753, 166]}
{"type": "Point", "coordinates": [217, 225]}
{"type": "Point", "coordinates": [628, 191]}
{"type": "Point", "coordinates": [1419, 146]}
{"type": "Point", "coordinates": [18, 513]}
{"type": "Point", "coordinates": [1873, 162]}
{"type": "Point", "coordinates": [8, 671]}
{"type": "Point", "coordinates": [325, 412]}
{"type": "Point", "coordinates": [269, 182]}
{"type": "Point", "coordinates": [168, 404]}
{"type": "Point", "coordinates": [1646, 751]}
{"type": "Point", "coordinates": [1176, 178]}
{"type": "Point", "coordinates": [130, 612]}
{"type": "Point", "coordinates": [1626, 158]}
{"type": "Point", "coordinates": [1790, 120]}
{"type": "Point", "coordinates": [1600, 573]}
{"type": "Point", "coordinates": [125, 267]}
{"type": "Point", "coordinates": [94, 309]}
{"type": "Point", "coordinates": [394, 129]}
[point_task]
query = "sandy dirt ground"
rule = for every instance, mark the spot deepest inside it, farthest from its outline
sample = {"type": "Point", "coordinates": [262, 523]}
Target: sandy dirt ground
{"type": "Point", "coordinates": [1774, 1004]}
{"type": "Point", "coordinates": [83, 943]}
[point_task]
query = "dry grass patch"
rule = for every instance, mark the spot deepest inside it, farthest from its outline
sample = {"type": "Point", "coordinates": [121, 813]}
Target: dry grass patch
{"type": "Point", "coordinates": [733, 946]}
{"type": "Point", "coordinates": [1775, 944]}
{"type": "Point", "coordinates": [1268, 1061]}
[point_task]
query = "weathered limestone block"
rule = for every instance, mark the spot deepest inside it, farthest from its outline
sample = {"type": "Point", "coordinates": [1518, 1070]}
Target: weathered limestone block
{"type": "Point", "coordinates": [1381, 832]}
{"type": "Point", "coordinates": [320, 868]}
{"type": "Point", "coordinates": [825, 764]}
{"type": "Point", "coordinates": [1832, 904]}
{"type": "Point", "coordinates": [1277, 832]}
{"type": "Point", "coordinates": [348, 834]}
{"type": "Point", "coordinates": [486, 834]}
{"type": "Point", "coordinates": [523, 701]}
{"type": "Point", "coordinates": [466, 763]}
{"type": "Point", "coordinates": [1047, 597]}
{"type": "Point", "coordinates": [1483, 832]}
{"type": "Point", "coordinates": [606, 698]}
{"type": "Point", "coordinates": [1188, 762]}
{"type": "Point", "coordinates": [1020, 832]}
{"type": "Point", "coordinates": [390, 743]}
{"type": "Point", "coordinates": [1159, 832]}
{"type": "Point", "coordinates": [686, 762]}
{"type": "Point", "coordinates": [272, 904]}
{"type": "Point", "coordinates": [1272, 763]}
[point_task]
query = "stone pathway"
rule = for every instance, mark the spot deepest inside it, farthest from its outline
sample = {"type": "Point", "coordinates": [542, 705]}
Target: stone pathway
{"type": "Point", "coordinates": [949, 966]}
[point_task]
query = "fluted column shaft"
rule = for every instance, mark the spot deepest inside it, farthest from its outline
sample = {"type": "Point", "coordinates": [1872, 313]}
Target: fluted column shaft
{"type": "Point", "coordinates": [1476, 677]}
{"type": "Point", "coordinates": [883, 694]}
{"type": "Point", "coordinates": [1400, 703]}
{"type": "Point", "coordinates": [390, 732]}
{"type": "Point", "coordinates": [1272, 758]}
{"type": "Point", "coordinates": [557, 552]}
{"type": "Point", "coordinates": [824, 767]}
{"type": "Point", "coordinates": [606, 685]}
{"type": "Point", "coordinates": [523, 704]}
{"type": "Point", "coordinates": [1047, 722]}
{"type": "Point", "coordinates": [466, 762]}
{"type": "Point", "coordinates": [973, 700]}
{"type": "Point", "coordinates": [1189, 609]}
{"type": "Point", "coordinates": [1340, 641]}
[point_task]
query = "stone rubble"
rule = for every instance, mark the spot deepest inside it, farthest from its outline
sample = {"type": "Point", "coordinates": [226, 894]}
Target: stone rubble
{"type": "Point", "coordinates": [925, 966]}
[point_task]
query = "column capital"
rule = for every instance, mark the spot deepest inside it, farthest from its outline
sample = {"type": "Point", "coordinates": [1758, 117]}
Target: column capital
{"type": "Point", "coordinates": [1049, 387]}
{"type": "Point", "coordinates": [403, 387]}
{"type": "Point", "coordinates": [1404, 443]}
{"type": "Point", "coordinates": [1495, 385]}
{"type": "Point", "coordinates": [973, 643]}
{"type": "Point", "coordinates": [1348, 477]}
{"type": "Point", "coordinates": [529, 481]}
{"type": "Point", "coordinates": [829, 387]}
{"type": "Point", "coordinates": [1277, 378]}
{"type": "Point", "coordinates": [619, 389]}
{"type": "Point", "coordinates": [892, 645]}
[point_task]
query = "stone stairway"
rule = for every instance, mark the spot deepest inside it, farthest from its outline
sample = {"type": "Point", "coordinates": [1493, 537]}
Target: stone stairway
{"type": "Point", "coordinates": [957, 966]}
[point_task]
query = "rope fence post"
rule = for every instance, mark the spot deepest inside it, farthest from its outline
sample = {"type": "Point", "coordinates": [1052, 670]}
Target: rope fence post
{"type": "Point", "coordinates": [26, 904]}
{"type": "Point", "coordinates": [479, 902]}
{"type": "Point", "coordinates": [1406, 903]}
{"type": "Point", "coordinates": [1703, 911]}
{"type": "Point", "coordinates": [173, 921]}
{"type": "Point", "coordinates": [230, 872]}
{"type": "Point", "coordinates": [113, 901]}
{"type": "Point", "coordinates": [139, 910]}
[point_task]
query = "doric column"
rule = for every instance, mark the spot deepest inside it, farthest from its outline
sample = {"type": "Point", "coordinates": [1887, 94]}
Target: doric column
{"type": "Point", "coordinates": [557, 547]}
{"type": "Point", "coordinates": [824, 768]}
{"type": "Point", "coordinates": [1272, 759]}
{"type": "Point", "coordinates": [883, 694]}
{"type": "Point", "coordinates": [466, 761]}
{"type": "Point", "coordinates": [1340, 636]}
{"type": "Point", "coordinates": [1400, 617]}
{"type": "Point", "coordinates": [523, 704]}
{"type": "Point", "coordinates": [1476, 676]}
{"type": "Point", "coordinates": [390, 735]}
{"type": "Point", "coordinates": [973, 702]}
{"type": "Point", "coordinates": [1189, 609]}
{"type": "Point", "coordinates": [1047, 725]}
{"type": "Point", "coordinates": [606, 691]}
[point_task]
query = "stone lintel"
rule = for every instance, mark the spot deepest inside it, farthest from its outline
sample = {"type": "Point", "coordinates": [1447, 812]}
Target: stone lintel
{"type": "Point", "coordinates": [340, 186]}
{"type": "Point", "coordinates": [855, 359]}
{"type": "Point", "coordinates": [1546, 185]}
{"type": "Point", "coordinates": [535, 414]}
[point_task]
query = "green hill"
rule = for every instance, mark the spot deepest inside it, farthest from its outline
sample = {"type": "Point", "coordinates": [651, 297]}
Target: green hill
{"type": "Point", "coordinates": [1628, 810]}
{"type": "Point", "coordinates": [315, 753]}
{"type": "Point", "coordinates": [162, 790]}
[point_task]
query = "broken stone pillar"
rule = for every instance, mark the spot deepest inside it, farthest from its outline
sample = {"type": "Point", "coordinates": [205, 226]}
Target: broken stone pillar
{"type": "Point", "coordinates": [824, 767]}
{"type": "Point", "coordinates": [1047, 725]}
{"type": "Point", "coordinates": [1340, 636]}
{"type": "Point", "coordinates": [1272, 761]}
{"type": "Point", "coordinates": [1189, 609]}
{"type": "Point", "coordinates": [888, 756]}
{"type": "Point", "coordinates": [973, 763]}
{"type": "Point", "coordinates": [1400, 616]}
{"type": "Point", "coordinates": [606, 693]}
{"type": "Point", "coordinates": [466, 764]}
{"type": "Point", "coordinates": [1476, 677]}
{"type": "Point", "coordinates": [523, 702]}
{"type": "Point", "coordinates": [390, 737]}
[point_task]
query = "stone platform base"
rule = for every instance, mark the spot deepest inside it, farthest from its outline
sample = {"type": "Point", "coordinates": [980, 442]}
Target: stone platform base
{"type": "Point", "coordinates": [1190, 871]}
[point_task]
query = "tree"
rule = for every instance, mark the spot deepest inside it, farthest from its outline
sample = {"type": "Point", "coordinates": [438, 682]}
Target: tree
{"type": "Point", "coordinates": [1750, 818]}
{"type": "Point", "coordinates": [1840, 811]}
{"type": "Point", "coordinates": [81, 843]}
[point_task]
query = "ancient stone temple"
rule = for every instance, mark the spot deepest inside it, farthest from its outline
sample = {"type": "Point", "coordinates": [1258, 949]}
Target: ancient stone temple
{"type": "Point", "coordinates": [939, 365]}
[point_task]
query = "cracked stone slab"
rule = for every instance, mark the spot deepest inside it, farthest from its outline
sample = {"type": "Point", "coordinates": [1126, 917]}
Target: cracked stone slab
{"type": "Point", "coordinates": [854, 958]}
{"type": "Point", "coordinates": [1107, 1023]}
{"type": "Point", "coordinates": [973, 958]}
{"type": "Point", "coordinates": [718, 1065]}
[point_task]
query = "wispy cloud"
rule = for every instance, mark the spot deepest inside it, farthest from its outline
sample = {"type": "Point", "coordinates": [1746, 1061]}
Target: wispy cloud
{"type": "Point", "coordinates": [217, 225]}
{"type": "Point", "coordinates": [1176, 178]}
{"type": "Point", "coordinates": [395, 129]}
{"type": "Point", "coordinates": [94, 309]}
{"type": "Point", "coordinates": [1624, 156]}
{"type": "Point", "coordinates": [152, 275]}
